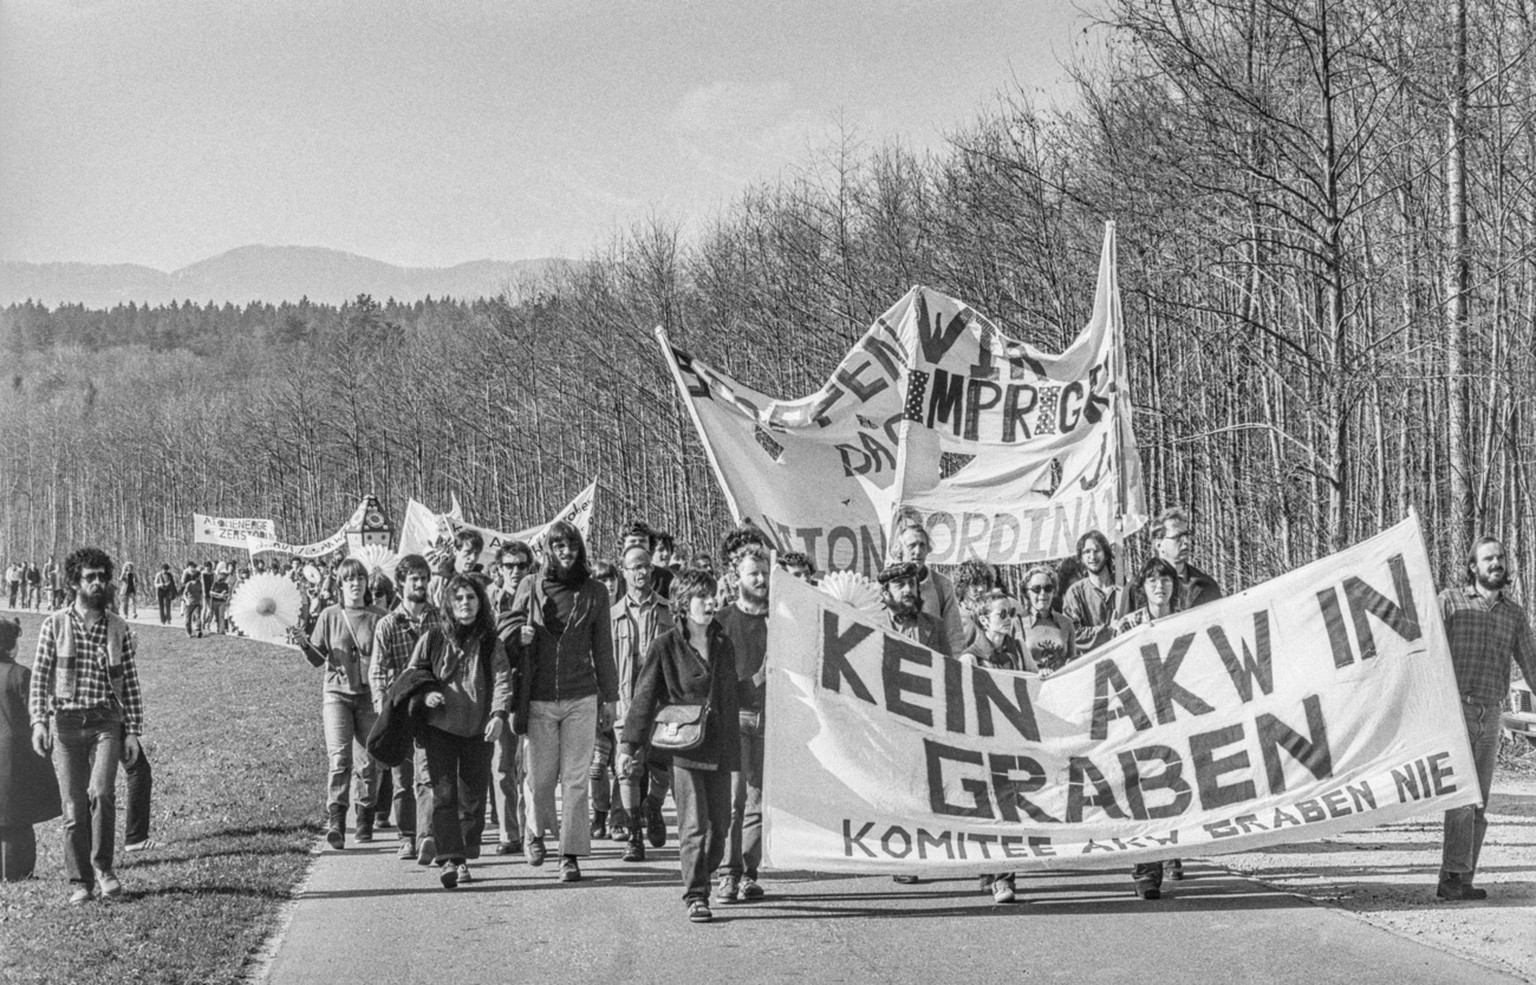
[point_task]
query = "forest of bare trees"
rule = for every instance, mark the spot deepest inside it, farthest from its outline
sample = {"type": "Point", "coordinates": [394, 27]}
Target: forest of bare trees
{"type": "Point", "coordinates": [1326, 220]}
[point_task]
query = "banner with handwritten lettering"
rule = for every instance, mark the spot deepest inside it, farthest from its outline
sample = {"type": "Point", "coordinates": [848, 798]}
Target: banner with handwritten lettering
{"type": "Point", "coordinates": [1318, 702]}
{"type": "Point", "coordinates": [1004, 451]}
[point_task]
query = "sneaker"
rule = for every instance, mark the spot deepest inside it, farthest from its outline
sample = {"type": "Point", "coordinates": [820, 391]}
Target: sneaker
{"type": "Point", "coordinates": [463, 870]}
{"type": "Point", "coordinates": [107, 882]}
{"type": "Point", "coordinates": [1176, 869]}
{"type": "Point", "coordinates": [426, 850]}
{"type": "Point", "coordinates": [655, 824]}
{"type": "Point", "coordinates": [536, 850]}
{"type": "Point", "coordinates": [1002, 891]}
{"type": "Point", "coordinates": [570, 871]}
{"type": "Point", "coordinates": [727, 890]}
{"type": "Point", "coordinates": [698, 912]}
{"type": "Point", "coordinates": [618, 832]}
{"type": "Point", "coordinates": [407, 848]}
{"type": "Point", "coordinates": [142, 846]}
{"type": "Point", "coordinates": [509, 848]}
{"type": "Point", "coordinates": [80, 897]}
{"type": "Point", "coordinates": [448, 873]}
{"type": "Point", "coordinates": [750, 890]}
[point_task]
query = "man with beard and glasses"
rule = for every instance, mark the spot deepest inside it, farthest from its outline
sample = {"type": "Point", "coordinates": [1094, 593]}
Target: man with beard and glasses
{"type": "Point", "coordinates": [912, 544]}
{"type": "Point", "coordinates": [507, 764]}
{"type": "Point", "coordinates": [87, 710]}
{"type": "Point", "coordinates": [1485, 628]}
{"type": "Point", "coordinates": [745, 622]}
{"type": "Point", "coordinates": [394, 640]}
{"type": "Point", "coordinates": [1092, 600]}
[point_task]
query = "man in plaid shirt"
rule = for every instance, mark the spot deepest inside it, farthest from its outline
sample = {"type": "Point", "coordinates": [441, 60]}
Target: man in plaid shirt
{"type": "Point", "coordinates": [87, 711]}
{"type": "Point", "coordinates": [394, 640]}
{"type": "Point", "coordinates": [1485, 629]}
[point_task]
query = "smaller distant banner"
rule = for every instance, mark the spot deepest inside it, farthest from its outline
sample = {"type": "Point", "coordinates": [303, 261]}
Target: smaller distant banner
{"type": "Point", "coordinates": [229, 531]}
{"type": "Point", "coordinates": [424, 531]}
{"type": "Point", "coordinates": [268, 545]}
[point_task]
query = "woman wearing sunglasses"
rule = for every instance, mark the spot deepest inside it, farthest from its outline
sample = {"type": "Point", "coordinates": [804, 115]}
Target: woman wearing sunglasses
{"type": "Point", "coordinates": [1050, 638]}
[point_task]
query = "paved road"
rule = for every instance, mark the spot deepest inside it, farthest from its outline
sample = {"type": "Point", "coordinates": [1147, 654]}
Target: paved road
{"type": "Point", "coordinates": [364, 916]}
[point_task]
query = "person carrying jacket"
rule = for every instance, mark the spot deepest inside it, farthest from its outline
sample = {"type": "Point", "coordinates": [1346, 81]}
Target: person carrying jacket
{"type": "Point", "coordinates": [465, 715]}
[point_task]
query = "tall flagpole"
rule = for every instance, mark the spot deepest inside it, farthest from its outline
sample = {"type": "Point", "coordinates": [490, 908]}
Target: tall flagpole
{"type": "Point", "coordinates": [693, 413]}
{"type": "Point", "coordinates": [1117, 380]}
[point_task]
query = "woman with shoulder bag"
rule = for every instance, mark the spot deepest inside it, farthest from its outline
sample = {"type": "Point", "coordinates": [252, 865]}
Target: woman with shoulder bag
{"type": "Point", "coordinates": [686, 701]}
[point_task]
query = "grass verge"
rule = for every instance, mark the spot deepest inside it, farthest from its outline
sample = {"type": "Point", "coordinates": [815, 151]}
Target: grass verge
{"type": "Point", "coordinates": [232, 729]}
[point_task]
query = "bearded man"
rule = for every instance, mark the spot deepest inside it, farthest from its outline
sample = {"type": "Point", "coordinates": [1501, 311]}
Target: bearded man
{"type": "Point", "coordinates": [1486, 629]}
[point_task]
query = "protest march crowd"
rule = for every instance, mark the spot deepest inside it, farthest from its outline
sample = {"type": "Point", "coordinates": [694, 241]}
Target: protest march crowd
{"type": "Point", "coordinates": [560, 698]}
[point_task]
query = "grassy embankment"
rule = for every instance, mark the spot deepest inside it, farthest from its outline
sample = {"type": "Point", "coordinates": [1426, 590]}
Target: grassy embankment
{"type": "Point", "coordinates": [233, 733]}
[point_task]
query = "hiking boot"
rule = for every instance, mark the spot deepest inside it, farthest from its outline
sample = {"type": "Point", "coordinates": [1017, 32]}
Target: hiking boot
{"type": "Point", "coordinates": [536, 850]}
{"type": "Point", "coordinates": [336, 827]}
{"type": "Point", "coordinates": [727, 890]}
{"type": "Point", "coordinates": [509, 848]}
{"type": "Point", "coordinates": [750, 890]}
{"type": "Point", "coordinates": [599, 824]}
{"type": "Point", "coordinates": [362, 830]}
{"type": "Point", "coordinates": [1148, 891]}
{"type": "Point", "coordinates": [905, 880]}
{"type": "Point", "coordinates": [618, 825]}
{"type": "Point", "coordinates": [655, 823]}
{"type": "Point", "coordinates": [1457, 888]}
{"type": "Point", "coordinates": [634, 851]}
{"type": "Point", "coordinates": [570, 871]}
{"type": "Point", "coordinates": [448, 875]}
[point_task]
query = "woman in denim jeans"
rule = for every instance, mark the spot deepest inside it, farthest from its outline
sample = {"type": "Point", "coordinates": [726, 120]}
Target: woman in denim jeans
{"type": "Point", "coordinates": [342, 643]}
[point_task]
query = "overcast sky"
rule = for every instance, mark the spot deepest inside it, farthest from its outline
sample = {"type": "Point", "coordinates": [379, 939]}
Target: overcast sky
{"type": "Point", "coordinates": [162, 132]}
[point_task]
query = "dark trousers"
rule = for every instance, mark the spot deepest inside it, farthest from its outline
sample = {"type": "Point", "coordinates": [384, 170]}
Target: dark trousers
{"type": "Point", "coordinates": [165, 608]}
{"type": "Point", "coordinates": [1466, 826]}
{"type": "Point", "coordinates": [86, 749]}
{"type": "Point", "coordinates": [703, 825]}
{"type": "Point", "coordinates": [403, 792]}
{"type": "Point", "coordinates": [459, 767]}
{"type": "Point", "coordinates": [141, 784]}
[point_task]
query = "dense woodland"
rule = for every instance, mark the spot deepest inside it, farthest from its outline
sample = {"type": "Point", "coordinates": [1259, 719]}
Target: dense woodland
{"type": "Point", "coordinates": [1326, 220]}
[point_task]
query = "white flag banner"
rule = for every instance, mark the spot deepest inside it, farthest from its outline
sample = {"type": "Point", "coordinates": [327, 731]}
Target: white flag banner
{"type": "Point", "coordinates": [1005, 452]}
{"type": "Point", "coordinates": [1318, 702]}
{"type": "Point", "coordinates": [229, 531]}
{"type": "Point", "coordinates": [337, 540]}
{"type": "Point", "coordinates": [424, 531]}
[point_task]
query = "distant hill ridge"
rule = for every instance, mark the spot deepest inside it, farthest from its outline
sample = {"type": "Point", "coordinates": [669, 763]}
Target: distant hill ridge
{"type": "Point", "coordinates": [260, 273]}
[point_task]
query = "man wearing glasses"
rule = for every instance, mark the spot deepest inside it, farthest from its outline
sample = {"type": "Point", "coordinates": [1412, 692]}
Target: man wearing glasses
{"type": "Point", "coordinates": [87, 710]}
{"type": "Point", "coordinates": [1175, 543]}
{"type": "Point", "coordinates": [638, 618]}
{"type": "Point", "coordinates": [513, 564]}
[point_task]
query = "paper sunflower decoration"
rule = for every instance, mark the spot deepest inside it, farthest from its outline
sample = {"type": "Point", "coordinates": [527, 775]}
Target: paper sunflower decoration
{"type": "Point", "coordinates": [377, 558]}
{"type": "Point", "coordinates": [852, 588]}
{"type": "Point", "coordinates": [266, 606]}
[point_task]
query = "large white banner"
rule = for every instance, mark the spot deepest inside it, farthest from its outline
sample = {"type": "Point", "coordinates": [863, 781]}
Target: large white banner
{"type": "Point", "coordinates": [229, 531]}
{"type": "Point", "coordinates": [1318, 702]}
{"type": "Point", "coordinates": [320, 548]}
{"type": "Point", "coordinates": [424, 531]}
{"type": "Point", "coordinates": [1005, 452]}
